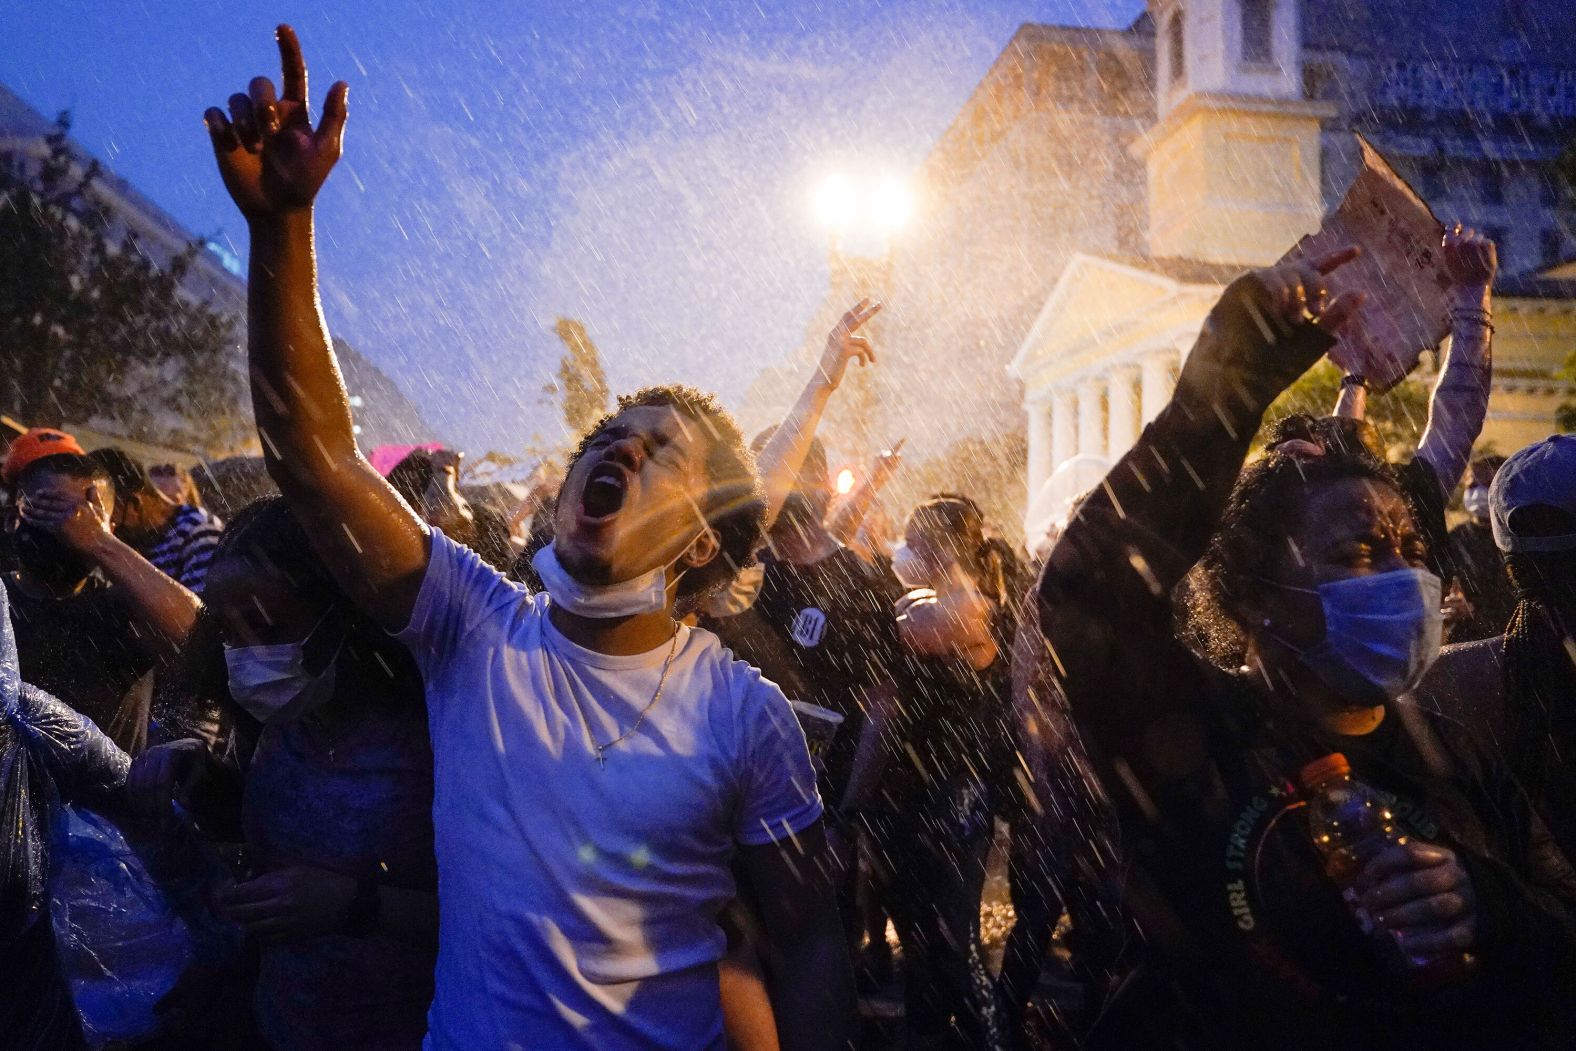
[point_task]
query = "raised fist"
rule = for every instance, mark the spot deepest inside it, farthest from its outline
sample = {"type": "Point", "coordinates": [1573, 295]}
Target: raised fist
{"type": "Point", "coordinates": [1470, 258]}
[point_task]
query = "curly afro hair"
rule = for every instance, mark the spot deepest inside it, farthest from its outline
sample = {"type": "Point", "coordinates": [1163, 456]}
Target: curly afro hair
{"type": "Point", "coordinates": [1269, 497]}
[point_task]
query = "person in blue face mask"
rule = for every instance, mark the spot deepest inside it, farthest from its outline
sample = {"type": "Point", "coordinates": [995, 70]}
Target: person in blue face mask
{"type": "Point", "coordinates": [1310, 616]}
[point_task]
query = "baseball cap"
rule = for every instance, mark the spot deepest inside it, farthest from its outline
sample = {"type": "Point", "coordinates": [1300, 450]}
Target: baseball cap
{"type": "Point", "coordinates": [1539, 475]}
{"type": "Point", "coordinates": [35, 445]}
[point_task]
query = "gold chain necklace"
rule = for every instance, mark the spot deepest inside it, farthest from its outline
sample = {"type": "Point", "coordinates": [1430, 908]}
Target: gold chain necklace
{"type": "Point", "coordinates": [602, 749]}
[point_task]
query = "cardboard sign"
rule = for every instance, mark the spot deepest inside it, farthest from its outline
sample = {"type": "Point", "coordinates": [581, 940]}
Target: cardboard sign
{"type": "Point", "coordinates": [1402, 269]}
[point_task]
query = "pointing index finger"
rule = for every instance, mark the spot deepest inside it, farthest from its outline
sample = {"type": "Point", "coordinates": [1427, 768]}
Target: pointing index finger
{"type": "Point", "coordinates": [1335, 260]}
{"type": "Point", "coordinates": [291, 64]}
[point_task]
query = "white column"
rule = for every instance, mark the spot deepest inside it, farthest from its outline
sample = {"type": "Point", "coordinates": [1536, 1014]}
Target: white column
{"type": "Point", "coordinates": [1040, 465]}
{"type": "Point", "coordinates": [1064, 427]}
{"type": "Point", "coordinates": [1157, 382]}
{"type": "Point", "coordinates": [1122, 397]}
{"type": "Point", "coordinates": [1091, 418]}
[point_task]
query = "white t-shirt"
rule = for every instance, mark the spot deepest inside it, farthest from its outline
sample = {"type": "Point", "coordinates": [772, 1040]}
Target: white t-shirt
{"type": "Point", "coordinates": [578, 903]}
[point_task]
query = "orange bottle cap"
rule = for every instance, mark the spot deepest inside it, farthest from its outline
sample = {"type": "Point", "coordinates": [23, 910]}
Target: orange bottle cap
{"type": "Point", "coordinates": [1332, 765]}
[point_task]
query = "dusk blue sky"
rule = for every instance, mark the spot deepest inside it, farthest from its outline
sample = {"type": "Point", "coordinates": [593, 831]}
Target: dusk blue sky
{"type": "Point", "coordinates": [644, 166]}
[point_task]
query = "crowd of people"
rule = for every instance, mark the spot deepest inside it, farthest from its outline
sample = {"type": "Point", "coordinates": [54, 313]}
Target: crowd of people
{"type": "Point", "coordinates": [657, 758]}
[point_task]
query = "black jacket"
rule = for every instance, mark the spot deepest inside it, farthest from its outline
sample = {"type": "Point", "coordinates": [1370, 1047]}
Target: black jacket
{"type": "Point", "coordinates": [1246, 943]}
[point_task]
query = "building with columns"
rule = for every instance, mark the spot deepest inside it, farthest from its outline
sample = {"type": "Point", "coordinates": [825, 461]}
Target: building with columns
{"type": "Point", "coordinates": [1100, 187]}
{"type": "Point", "coordinates": [1251, 141]}
{"type": "Point", "coordinates": [1033, 169]}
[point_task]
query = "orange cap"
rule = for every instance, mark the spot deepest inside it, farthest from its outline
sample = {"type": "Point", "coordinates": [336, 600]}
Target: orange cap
{"type": "Point", "coordinates": [1332, 765]}
{"type": "Point", "coordinates": [35, 445]}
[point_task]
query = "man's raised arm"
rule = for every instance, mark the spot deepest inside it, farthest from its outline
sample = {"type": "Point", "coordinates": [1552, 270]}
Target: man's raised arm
{"type": "Point", "coordinates": [784, 454]}
{"type": "Point", "coordinates": [273, 163]}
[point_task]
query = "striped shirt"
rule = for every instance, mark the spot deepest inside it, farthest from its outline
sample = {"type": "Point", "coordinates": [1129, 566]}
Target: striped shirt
{"type": "Point", "coordinates": [185, 548]}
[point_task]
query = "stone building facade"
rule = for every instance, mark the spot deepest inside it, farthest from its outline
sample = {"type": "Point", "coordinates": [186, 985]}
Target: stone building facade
{"type": "Point", "coordinates": [1100, 186]}
{"type": "Point", "coordinates": [1256, 105]}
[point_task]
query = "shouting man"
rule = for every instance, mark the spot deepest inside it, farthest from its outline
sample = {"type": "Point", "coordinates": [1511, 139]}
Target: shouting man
{"type": "Point", "coordinates": [599, 766]}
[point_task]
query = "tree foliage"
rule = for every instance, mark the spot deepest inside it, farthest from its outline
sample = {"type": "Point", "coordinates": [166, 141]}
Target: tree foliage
{"type": "Point", "coordinates": [92, 328]}
{"type": "Point", "coordinates": [990, 470]}
{"type": "Point", "coordinates": [582, 385]}
{"type": "Point", "coordinates": [1565, 415]}
{"type": "Point", "coordinates": [1400, 414]}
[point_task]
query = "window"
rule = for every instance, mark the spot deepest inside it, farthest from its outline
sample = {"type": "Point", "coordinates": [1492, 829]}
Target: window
{"type": "Point", "coordinates": [1491, 186]}
{"type": "Point", "coordinates": [1258, 41]}
{"type": "Point", "coordinates": [1548, 188]}
{"type": "Point", "coordinates": [1551, 247]}
{"type": "Point", "coordinates": [1178, 60]}
{"type": "Point", "coordinates": [1501, 238]}
{"type": "Point", "coordinates": [1430, 181]}
{"type": "Point", "coordinates": [1318, 81]}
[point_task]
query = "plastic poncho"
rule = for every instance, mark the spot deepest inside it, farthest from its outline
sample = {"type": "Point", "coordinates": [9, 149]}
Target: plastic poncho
{"type": "Point", "coordinates": [48, 753]}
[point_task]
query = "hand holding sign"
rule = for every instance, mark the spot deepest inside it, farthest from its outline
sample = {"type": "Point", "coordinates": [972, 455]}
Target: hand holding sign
{"type": "Point", "coordinates": [1402, 268]}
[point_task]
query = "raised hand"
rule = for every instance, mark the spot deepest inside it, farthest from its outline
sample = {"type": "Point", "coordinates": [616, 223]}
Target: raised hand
{"type": "Point", "coordinates": [1470, 258]}
{"type": "Point", "coordinates": [273, 161]}
{"type": "Point", "coordinates": [887, 464]}
{"type": "Point", "coordinates": [843, 345]}
{"type": "Point", "coordinates": [1298, 292]}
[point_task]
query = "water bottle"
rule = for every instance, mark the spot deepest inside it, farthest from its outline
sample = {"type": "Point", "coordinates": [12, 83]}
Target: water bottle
{"type": "Point", "coordinates": [1351, 825]}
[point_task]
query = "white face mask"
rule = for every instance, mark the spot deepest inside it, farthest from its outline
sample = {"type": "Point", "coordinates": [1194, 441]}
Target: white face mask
{"type": "Point", "coordinates": [646, 593]}
{"type": "Point", "coordinates": [272, 681]}
{"type": "Point", "coordinates": [1475, 501]}
{"type": "Point", "coordinates": [739, 595]}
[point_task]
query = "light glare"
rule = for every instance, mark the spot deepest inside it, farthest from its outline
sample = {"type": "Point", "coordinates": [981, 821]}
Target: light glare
{"type": "Point", "coordinates": [891, 205]}
{"type": "Point", "coordinates": [834, 203]}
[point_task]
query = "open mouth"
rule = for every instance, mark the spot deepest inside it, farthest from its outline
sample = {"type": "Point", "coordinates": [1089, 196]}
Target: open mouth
{"type": "Point", "coordinates": [604, 491]}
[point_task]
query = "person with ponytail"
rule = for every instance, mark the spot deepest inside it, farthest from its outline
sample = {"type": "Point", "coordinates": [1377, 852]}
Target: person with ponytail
{"type": "Point", "coordinates": [323, 767]}
{"type": "Point", "coordinates": [929, 763]}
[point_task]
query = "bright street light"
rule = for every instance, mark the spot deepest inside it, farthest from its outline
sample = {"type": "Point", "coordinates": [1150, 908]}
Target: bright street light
{"type": "Point", "coordinates": [863, 206]}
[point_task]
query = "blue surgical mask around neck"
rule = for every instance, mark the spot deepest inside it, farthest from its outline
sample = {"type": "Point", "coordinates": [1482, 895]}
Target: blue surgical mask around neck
{"type": "Point", "coordinates": [646, 593]}
{"type": "Point", "coordinates": [1382, 633]}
